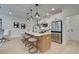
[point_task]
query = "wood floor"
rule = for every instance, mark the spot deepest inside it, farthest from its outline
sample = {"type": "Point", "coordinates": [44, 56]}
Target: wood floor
{"type": "Point", "coordinates": [15, 46]}
{"type": "Point", "coordinates": [72, 47]}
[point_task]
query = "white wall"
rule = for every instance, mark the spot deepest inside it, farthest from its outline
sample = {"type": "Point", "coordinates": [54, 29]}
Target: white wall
{"type": "Point", "coordinates": [66, 27]}
{"type": "Point", "coordinates": [71, 28]}
{"type": "Point", "coordinates": [7, 23]}
{"type": "Point", "coordinates": [74, 27]}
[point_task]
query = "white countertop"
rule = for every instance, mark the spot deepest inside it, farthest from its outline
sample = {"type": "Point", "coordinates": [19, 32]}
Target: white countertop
{"type": "Point", "coordinates": [38, 34]}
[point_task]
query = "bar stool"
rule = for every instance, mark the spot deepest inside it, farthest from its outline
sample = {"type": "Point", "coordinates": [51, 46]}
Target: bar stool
{"type": "Point", "coordinates": [25, 38]}
{"type": "Point", "coordinates": [33, 45]}
{"type": "Point", "coordinates": [1, 40]}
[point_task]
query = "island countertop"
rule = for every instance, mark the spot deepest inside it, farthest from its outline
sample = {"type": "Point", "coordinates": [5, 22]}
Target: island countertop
{"type": "Point", "coordinates": [44, 40]}
{"type": "Point", "coordinates": [37, 34]}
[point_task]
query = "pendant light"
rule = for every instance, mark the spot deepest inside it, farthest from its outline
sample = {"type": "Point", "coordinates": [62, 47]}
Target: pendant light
{"type": "Point", "coordinates": [27, 17]}
{"type": "Point", "coordinates": [37, 14]}
{"type": "Point", "coordinates": [31, 18]}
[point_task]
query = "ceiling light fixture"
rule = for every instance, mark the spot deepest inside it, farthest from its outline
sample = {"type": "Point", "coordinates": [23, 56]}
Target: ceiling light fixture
{"type": "Point", "coordinates": [31, 18]}
{"type": "Point", "coordinates": [37, 14]}
{"type": "Point", "coordinates": [27, 16]}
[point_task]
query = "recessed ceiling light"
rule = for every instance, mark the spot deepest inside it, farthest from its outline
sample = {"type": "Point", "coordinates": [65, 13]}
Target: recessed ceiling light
{"type": "Point", "coordinates": [10, 13]}
{"type": "Point", "coordinates": [53, 9]}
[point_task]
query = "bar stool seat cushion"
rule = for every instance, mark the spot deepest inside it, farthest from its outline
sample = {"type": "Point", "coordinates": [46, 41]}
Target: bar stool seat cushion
{"type": "Point", "coordinates": [32, 39]}
{"type": "Point", "coordinates": [27, 36]}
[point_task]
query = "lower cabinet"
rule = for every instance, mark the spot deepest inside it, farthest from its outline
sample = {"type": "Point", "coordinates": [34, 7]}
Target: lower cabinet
{"type": "Point", "coordinates": [56, 37]}
{"type": "Point", "coordinates": [44, 43]}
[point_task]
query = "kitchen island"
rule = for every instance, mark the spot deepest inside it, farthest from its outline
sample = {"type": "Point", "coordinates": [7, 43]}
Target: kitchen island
{"type": "Point", "coordinates": [44, 40]}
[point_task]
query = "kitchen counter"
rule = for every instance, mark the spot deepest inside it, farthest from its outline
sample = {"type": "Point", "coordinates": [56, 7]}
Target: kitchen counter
{"type": "Point", "coordinates": [44, 40]}
{"type": "Point", "coordinates": [38, 34]}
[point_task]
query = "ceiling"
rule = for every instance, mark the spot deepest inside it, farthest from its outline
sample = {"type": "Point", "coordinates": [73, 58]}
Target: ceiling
{"type": "Point", "coordinates": [20, 10]}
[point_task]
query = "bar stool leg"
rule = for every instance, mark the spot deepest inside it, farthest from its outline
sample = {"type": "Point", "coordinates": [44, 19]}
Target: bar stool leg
{"type": "Point", "coordinates": [32, 47]}
{"type": "Point", "coordinates": [27, 44]}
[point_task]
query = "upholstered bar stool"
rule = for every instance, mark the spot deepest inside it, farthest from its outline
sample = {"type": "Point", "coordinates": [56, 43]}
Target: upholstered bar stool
{"type": "Point", "coordinates": [33, 45]}
{"type": "Point", "coordinates": [1, 39]}
{"type": "Point", "coordinates": [25, 39]}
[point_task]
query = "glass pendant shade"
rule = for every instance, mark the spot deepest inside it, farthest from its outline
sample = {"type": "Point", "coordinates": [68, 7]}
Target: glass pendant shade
{"type": "Point", "coordinates": [31, 18]}
{"type": "Point", "coordinates": [37, 14]}
{"type": "Point", "coordinates": [27, 17]}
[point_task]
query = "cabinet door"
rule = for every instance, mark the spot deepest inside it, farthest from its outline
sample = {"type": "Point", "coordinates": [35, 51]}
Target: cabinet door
{"type": "Point", "coordinates": [44, 43]}
{"type": "Point", "coordinates": [40, 43]}
{"type": "Point", "coordinates": [47, 42]}
{"type": "Point", "coordinates": [56, 37]}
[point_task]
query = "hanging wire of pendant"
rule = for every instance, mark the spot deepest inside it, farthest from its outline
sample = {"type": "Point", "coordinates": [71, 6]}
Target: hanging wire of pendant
{"type": "Point", "coordinates": [27, 17]}
{"type": "Point", "coordinates": [31, 18]}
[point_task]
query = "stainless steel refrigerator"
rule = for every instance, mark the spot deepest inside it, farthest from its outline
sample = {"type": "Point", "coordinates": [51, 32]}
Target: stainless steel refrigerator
{"type": "Point", "coordinates": [56, 31]}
